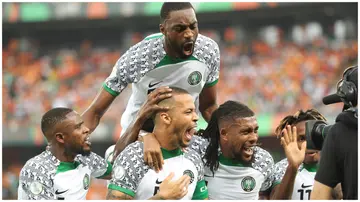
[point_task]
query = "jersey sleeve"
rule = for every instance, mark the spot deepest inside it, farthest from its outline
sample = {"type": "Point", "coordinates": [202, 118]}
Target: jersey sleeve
{"type": "Point", "coordinates": [35, 183]}
{"type": "Point", "coordinates": [98, 165]}
{"type": "Point", "coordinates": [326, 173]}
{"type": "Point", "coordinates": [201, 191]}
{"type": "Point", "coordinates": [279, 171]}
{"type": "Point", "coordinates": [128, 170]}
{"type": "Point", "coordinates": [213, 76]}
{"type": "Point", "coordinates": [199, 144]}
{"type": "Point", "coordinates": [265, 164]}
{"type": "Point", "coordinates": [125, 71]}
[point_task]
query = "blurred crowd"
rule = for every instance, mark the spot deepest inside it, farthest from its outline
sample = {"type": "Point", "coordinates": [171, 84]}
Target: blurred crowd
{"type": "Point", "coordinates": [278, 77]}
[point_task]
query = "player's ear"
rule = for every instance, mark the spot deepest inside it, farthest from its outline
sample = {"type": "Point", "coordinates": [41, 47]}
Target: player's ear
{"type": "Point", "coordinates": [59, 137]}
{"type": "Point", "coordinates": [165, 118]}
{"type": "Point", "coordinates": [162, 28]}
{"type": "Point", "coordinates": [223, 134]}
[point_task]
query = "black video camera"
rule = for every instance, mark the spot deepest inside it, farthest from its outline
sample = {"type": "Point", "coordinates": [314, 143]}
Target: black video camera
{"type": "Point", "coordinates": [315, 132]}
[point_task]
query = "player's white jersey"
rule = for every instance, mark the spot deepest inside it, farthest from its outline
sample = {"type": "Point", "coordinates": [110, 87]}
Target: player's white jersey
{"type": "Point", "coordinates": [132, 177]}
{"type": "Point", "coordinates": [304, 180]}
{"type": "Point", "coordinates": [233, 180]}
{"type": "Point", "coordinates": [147, 66]}
{"type": "Point", "coordinates": [45, 177]}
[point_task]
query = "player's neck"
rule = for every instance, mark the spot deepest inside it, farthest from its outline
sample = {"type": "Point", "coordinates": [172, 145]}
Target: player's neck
{"type": "Point", "coordinates": [169, 51]}
{"type": "Point", "coordinates": [164, 138]}
{"type": "Point", "coordinates": [61, 155]}
{"type": "Point", "coordinates": [226, 152]}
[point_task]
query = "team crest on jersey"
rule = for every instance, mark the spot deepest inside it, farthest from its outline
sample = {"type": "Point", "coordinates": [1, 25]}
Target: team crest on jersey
{"type": "Point", "coordinates": [119, 173]}
{"type": "Point", "coordinates": [190, 174]}
{"type": "Point", "coordinates": [86, 181]}
{"type": "Point", "coordinates": [194, 78]}
{"type": "Point", "coordinates": [248, 184]}
{"type": "Point", "coordinates": [36, 187]}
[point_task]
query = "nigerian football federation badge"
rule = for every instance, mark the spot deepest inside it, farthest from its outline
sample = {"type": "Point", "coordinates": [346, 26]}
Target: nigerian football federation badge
{"type": "Point", "coordinates": [190, 174]}
{"type": "Point", "coordinates": [248, 184]}
{"type": "Point", "coordinates": [86, 181]}
{"type": "Point", "coordinates": [194, 78]}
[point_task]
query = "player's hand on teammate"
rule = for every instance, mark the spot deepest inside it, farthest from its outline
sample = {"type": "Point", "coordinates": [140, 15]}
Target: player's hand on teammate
{"type": "Point", "coordinates": [294, 154]}
{"type": "Point", "coordinates": [176, 189]}
{"type": "Point", "coordinates": [151, 106]}
{"type": "Point", "coordinates": [152, 152]}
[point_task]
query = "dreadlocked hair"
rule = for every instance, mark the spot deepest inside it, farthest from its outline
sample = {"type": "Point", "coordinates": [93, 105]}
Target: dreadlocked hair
{"type": "Point", "coordinates": [299, 116]}
{"type": "Point", "coordinates": [229, 111]}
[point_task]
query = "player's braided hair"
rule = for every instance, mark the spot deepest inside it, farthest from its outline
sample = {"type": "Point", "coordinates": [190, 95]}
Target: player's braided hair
{"type": "Point", "coordinates": [299, 116]}
{"type": "Point", "coordinates": [229, 111]}
{"type": "Point", "coordinates": [167, 7]}
{"type": "Point", "coordinates": [53, 117]}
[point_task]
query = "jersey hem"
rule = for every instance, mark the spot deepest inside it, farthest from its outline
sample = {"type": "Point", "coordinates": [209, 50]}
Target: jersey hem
{"type": "Point", "coordinates": [108, 170]}
{"type": "Point", "coordinates": [123, 190]}
{"type": "Point", "coordinates": [109, 90]}
{"type": "Point", "coordinates": [212, 83]}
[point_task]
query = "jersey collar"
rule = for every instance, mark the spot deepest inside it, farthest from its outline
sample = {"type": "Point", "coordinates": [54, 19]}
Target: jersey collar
{"type": "Point", "coordinates": [231, 162]}
{"type": "Point", "coordinates": [171, 153]}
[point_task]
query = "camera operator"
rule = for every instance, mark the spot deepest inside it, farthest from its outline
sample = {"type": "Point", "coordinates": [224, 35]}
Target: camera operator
{"type": "Point", "coordinates": [339, 158]}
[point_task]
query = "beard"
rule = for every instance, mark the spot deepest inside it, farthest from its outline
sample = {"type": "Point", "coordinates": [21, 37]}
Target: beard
{"type": "Point", "coordinates": [71, 150]}
{"type": "Point", "coordinates": [177, 49]}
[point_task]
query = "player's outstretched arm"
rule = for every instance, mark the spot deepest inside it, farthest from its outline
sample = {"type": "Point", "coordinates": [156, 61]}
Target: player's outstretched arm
{"type": "Point", "coordinates": [97, 109]}
{"type": "Point", "coordinates": [295, 157]}
{"type": "Point", "coordinates": [149, 108]}
{"type": "Point", "coordinates": [207, 102]}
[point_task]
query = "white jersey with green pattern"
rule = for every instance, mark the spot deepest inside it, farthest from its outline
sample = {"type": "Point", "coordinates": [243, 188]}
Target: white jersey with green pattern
{"type": "Point", "coordinates": [234, 180]}
{"type": "Point", "coordinates": [132, 177]}
{"type": "Point", "coordinates": [147, 66]}
{"type": "Point", "coordinates": [44, 177]}
{"type": "Point", "coordinates": [304, 180]}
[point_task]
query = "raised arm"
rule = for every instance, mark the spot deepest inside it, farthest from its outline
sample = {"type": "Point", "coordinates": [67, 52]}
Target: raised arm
{"type": "Point", "coordinates": [97, 109]}
{"type": "Point", "coordinates": [207, 102]}
{"type": "Point", "coordinates": [295, 157]}
{"type": "Point", "coordinates": [149, 108]}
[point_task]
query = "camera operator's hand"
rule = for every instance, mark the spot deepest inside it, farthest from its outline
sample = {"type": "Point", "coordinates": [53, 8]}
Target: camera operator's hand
{"type": "Point", "coordinates": [294, 154]}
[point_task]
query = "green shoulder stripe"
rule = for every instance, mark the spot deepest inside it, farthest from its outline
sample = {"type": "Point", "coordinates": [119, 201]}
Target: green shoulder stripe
{"type": "Point", "coordinates": [201, 191]}
{"type": "Point", "coordinates": [154, 36]}
{"type": "Point", "coordinates": [123, 190]}
{"type": "Point", "coordinates": [109, 90]}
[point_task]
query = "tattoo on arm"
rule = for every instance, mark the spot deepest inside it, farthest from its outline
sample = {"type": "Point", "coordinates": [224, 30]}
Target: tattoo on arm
{"type": "Point", "coordinates": [117, 195]}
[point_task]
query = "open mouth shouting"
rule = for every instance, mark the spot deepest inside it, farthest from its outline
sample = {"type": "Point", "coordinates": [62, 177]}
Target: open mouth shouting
{"type": "Point", "coordinates": [188, 48]}
{"type": "Point", "coordinates": [189, 133]}
{"type": "Point", "coordinates": [87, 140]}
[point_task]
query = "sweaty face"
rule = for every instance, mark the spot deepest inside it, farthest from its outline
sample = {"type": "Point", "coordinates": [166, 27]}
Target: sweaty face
{"type": "Point", "coordinates": [311, 156]}
{"type": "Point", "coordinates": [242, 137]}
{"type": "Point", "coordinates": [77, 137]}
{"type": "Point", "coordinates": [181, 30]}
{"type": "Point", "coordinates": [183, 120]}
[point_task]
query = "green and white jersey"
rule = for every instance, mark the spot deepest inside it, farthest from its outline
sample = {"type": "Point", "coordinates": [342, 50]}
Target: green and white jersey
{"type": "Point", "coordinates": [45, 177]}
{"type": "Point", "coordinates": [304, 180]}
{"type": "Point", "coordinates": [132, 177]}
{"type": "Point", "coordinates": [147, 66]}
{"type": "Point", "coordinates": [233, 180]}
